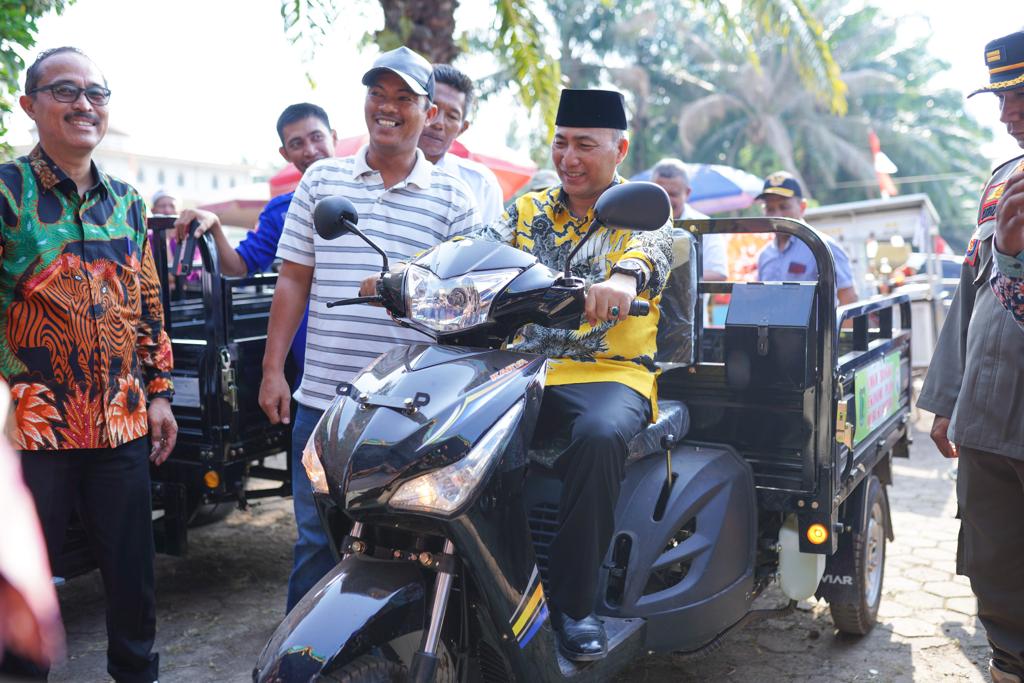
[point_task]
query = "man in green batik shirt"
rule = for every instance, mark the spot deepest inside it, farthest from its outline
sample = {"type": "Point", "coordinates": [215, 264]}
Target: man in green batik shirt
{"type": "Point", "coordinates": [83, 347]}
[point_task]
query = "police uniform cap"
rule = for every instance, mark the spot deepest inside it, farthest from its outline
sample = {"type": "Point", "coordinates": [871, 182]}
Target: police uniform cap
{"type": "Point", "coordinates": [781, 184]}
{"type": "Point", "coordinates": [1004, 59]}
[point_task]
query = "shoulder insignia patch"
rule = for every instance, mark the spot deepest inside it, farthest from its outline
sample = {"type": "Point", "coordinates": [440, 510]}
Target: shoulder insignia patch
{"type": "Point", "coordinates": [994, 193]}
{"type": "Point", "coordinates": [971, 256]}
{"type": "Point", "coordinates": [990, 202]}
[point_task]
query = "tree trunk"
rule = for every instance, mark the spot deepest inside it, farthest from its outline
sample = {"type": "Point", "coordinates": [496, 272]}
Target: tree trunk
{"type": "Point", "coordinates": [426, 26]}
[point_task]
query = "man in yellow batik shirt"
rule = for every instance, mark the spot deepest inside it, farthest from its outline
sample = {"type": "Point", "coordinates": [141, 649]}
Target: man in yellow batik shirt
{"type": "Point", "coordinates": [601, 377]}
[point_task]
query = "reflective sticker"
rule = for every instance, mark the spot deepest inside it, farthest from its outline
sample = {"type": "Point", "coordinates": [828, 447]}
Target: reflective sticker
{"type": "Point", "coordinates": [531, 612]}
{"type": "Point", "coordinates": [509, 368]}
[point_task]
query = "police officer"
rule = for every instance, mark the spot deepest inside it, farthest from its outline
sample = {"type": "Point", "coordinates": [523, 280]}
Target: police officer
{"type": "Point", "coordinates": [789, 260]}
{"type": "Point", "coordinates": [973, 389]}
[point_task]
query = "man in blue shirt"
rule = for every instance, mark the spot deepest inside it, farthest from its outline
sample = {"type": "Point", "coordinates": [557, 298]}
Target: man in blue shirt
{"type": "Point", "coordinates": [306, 137]}
{"type": "Point", "coordinates": [790, 260]}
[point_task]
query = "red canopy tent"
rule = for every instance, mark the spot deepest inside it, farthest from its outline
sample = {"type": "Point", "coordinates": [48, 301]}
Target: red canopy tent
{"type": "Point", "coordinates": [512, 175]}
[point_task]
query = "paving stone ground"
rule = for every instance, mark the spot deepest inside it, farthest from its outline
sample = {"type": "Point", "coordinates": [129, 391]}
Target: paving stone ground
{"type": "Point", "coordinates": [218, 606]}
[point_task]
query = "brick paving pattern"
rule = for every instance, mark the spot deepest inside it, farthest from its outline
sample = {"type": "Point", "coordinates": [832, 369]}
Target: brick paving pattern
{"type": "Point", "coordinates": [218, 606]}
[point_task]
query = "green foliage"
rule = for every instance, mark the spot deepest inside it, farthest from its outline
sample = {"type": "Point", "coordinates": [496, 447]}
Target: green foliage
{"type": "Point", "coordinates": [516, 40]}
{"type": "Point", "coordinates": [804, 42]}
{"type": "Point", "coordinates": [696, 92]}
{"type": "Point", "coordinates": [18, 18]}
{"type": "Point", "coordinates": [520, 47]}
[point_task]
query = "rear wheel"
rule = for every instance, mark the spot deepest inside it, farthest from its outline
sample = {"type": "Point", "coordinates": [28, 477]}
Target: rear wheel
{"type": "Point", "coordinates": [208, 513]}
{"type": "Point", "coordinates": [368, 669]}
{"type": "Point", "coordinates": [859, 617]}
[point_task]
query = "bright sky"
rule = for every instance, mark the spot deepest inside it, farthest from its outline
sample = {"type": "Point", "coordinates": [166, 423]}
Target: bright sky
{"type": "Point", "coordinates": [206, 79]}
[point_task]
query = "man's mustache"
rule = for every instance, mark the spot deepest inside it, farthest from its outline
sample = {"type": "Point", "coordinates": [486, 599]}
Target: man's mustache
{"type": "Point", "coordinates": [91, 118]}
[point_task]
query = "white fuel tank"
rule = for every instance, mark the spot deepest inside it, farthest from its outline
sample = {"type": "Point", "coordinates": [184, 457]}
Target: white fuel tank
{"type": "Point", "coordinates": [799, 573]}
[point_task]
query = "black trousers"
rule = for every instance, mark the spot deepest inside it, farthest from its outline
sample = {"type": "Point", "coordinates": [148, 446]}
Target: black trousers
{"type": "Point", "coordinates": [110, 490]}
{"type": "Point", "coordinates": [990, 494]}
{"type": "Point", "coordinates": [601, 418]}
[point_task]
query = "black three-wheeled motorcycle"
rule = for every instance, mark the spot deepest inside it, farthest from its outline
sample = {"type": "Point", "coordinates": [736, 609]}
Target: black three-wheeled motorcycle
{"type": "Point", "coordinates": [768, 461]}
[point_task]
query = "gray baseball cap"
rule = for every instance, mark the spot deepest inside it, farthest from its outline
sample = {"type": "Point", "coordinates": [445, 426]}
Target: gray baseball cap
{"type": "Point", "coordinates": [417, 72]}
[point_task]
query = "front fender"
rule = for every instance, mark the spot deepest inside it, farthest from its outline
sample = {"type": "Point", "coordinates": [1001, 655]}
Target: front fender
{"type": "Point", "coordinates": [361, 603]}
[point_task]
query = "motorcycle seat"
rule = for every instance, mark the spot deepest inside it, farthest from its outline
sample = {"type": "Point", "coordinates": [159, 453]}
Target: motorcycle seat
{"type": "Point", "coordinates": [673, 418]}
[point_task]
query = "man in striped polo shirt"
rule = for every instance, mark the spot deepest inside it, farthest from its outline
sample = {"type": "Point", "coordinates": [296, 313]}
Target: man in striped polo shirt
{"type": "Point", "coordinates": [405, 205]}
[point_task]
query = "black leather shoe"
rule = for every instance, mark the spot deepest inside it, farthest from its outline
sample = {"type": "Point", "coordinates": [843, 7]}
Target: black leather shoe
{"type": "Point", "coordinates": [581, 640]}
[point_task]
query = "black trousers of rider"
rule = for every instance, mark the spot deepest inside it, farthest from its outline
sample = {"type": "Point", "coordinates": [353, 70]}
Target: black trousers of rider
{"type": "Point", "coordinates": [109, 487]}
{"type": "Point", "coordinates": [601, 418]}
{"type": "Point", "coordinates": [990, 494]}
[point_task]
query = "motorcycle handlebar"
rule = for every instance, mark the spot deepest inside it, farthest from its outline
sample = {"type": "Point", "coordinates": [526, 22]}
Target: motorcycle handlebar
{"type": "Point", "coordinates": [639, 307]}
{"type": "Point", "coordinates": [375, 299]}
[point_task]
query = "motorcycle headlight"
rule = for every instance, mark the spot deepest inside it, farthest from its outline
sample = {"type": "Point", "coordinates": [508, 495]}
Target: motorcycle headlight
{"type": "Point", "coordinates": [311, 463]}
{"type": "Point", "coordinates": [444, 490]}
{"type": "Point", "coordinates": [451, 304]}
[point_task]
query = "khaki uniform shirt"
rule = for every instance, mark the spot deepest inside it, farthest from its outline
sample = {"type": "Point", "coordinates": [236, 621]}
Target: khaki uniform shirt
{"type": "Point", "coordinates": [976, 377]}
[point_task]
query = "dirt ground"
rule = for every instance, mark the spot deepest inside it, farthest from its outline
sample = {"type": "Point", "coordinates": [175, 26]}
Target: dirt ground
{"type": "Point", "coordinates": [218, 606]}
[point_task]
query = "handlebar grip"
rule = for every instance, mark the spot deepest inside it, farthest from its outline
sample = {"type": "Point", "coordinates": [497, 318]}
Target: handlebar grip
{"type": "Point", "coordinates": [376, 299]}
{"type": "Point", "coordinates": [189, 253]}
{"type": "Point", "coordinates": [639, 307]}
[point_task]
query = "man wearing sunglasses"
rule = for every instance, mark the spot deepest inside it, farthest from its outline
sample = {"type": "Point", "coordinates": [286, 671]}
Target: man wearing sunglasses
{"type": "Point", "coordinates": [83, 349]}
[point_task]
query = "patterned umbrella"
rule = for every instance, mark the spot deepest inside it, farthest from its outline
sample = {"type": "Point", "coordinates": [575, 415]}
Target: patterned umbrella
{"type": "Point", "coordinates": [716, 188]}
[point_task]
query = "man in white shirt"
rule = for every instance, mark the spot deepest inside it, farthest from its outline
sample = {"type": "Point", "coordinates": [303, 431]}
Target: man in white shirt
{"type": "Point", "coordinates": [406, 205]}
{"type": "Point", "coordinates": [671, 175]}
{"type": "Point", "coordinates": [453, 95]}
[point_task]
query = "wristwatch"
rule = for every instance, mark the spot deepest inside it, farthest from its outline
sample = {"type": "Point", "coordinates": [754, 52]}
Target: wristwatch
{"type": "Point", "coordinates": [634, 270]}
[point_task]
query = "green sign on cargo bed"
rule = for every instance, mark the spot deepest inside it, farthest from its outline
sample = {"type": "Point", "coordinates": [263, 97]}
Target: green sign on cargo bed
{"type": "Point", "coordinates": [877, 391]}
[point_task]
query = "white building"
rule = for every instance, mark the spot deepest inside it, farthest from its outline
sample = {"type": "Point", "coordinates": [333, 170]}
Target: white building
{"type": "Point", "coordinates": [191, 182]}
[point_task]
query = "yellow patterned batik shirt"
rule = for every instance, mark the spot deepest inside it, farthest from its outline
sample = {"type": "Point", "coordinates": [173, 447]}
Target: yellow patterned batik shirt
{"type": "Point", "coordinates": [541, 224]}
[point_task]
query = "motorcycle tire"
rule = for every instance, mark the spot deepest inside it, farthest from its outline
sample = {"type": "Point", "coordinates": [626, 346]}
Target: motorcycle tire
{"type": "Point", "coordinates": [368, 669]}
{"type": "Point", "coordinates": [204, 514]}
{"type": "Point", "coordinates": [209, 513]}
{"type": "Point", "coordinates": [859, 617]}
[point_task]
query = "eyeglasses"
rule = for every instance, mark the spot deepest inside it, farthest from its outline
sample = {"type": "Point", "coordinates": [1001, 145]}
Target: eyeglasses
{"type": "Point", "coordinates": [67, 93]}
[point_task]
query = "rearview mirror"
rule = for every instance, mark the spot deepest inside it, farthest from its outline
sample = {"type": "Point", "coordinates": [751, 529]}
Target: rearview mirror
{"type": "Point", "coordinates": [634, 206]}
{"type": "Point", "coordinates": [334, 216]}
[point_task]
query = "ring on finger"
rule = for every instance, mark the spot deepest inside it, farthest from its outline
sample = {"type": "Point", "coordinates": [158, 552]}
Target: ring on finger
{"type": "Point", "coordinates": [614, 311]}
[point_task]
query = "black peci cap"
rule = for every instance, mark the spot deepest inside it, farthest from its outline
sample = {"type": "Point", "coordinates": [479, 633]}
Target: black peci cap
{"type": "Point", "coordinates": [417, 72]}
{"type": "Point", "coordinates": [1004, 58]}
{"type": "Point", "coordinates": [591, 109]}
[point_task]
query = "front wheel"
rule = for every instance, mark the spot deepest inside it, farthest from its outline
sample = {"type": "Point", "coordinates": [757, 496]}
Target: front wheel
{"type": "Point", "coordinates": [859, 616]}
{"type": "Point", "coordinates": [368, 669]}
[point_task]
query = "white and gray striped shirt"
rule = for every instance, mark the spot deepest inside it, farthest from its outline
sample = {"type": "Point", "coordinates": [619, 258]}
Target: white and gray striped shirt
{"type": "Point", "coordinates": [426, 208]}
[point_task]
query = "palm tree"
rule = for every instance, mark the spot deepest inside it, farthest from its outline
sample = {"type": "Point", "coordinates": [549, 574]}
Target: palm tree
{"type": "Point", "coordinates": [763, 119]}
{"type": "Point", "coordinates": [428, 26]}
